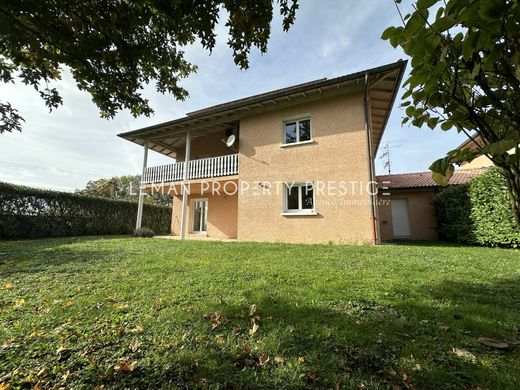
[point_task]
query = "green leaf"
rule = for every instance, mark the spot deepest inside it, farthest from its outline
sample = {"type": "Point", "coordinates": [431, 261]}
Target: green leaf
{"type": "Point", "coordinates": [443, 24]}
{"type": "Point", "coordinates": [432, 122]}
{"type": "Point", "coordinates": [470, 44]}
{"type": "Point", "coordinates": [446, 125]}
{"type": "Point", "coordinates": [425, 4]}
{"type": "Point", "coordinates": [492, 10]}
{"type": "Point", "coordinates": [442, 171]}
{"type": "Point", "coordinates": [500, 147]}
{"type": "Point", "coordinates": [387, 33]}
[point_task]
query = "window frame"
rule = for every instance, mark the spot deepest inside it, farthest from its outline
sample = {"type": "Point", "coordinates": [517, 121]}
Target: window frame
{"type": "Point", "coordinates": [297, 121]}
{"type": "Point", "coordinates": [300, 210]}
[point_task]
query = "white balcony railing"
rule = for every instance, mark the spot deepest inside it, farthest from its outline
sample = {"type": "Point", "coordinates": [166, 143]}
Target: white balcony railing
{"type": "Point", "coordinates": [197, 169]}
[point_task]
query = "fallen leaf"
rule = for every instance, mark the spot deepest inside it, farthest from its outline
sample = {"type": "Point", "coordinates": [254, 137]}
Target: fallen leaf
{"type": "Point", "coordinates": [8, 286]}
{"type": "Point", "coordinates": [19, 303]}
{"type": "Point", "coordinates": [68, 304]}
{"type": "Point", "coordinates": [157, 305]}
{"type": "Point", "coordinates": [279, 359]}
{"type": "Point", "coordinates": [249, 362]}
{"type": "Point", "coordinates": [9, 343]}
{"type": "Point", "coordinates": [263, 358]}
{"type": "Point", "coordinates": [461, 352]}
{"type": "Point", "coordinates": [137, 329]}
{"type": "Point", "coordinates": [60, 350]}
{"type": "Point", "coordinates": [68, 375]}
{"type": "Point", "coordinates": [311, 375]}
{"type": "Point", "coordinates": [125, 367]}
{"type": "Point", "coordinates": [252, 310]}
{"type": "Point", "coordinates": [216, 319]}
{"type": "Point", "coordinates": [492, 343]}
{"type": "Point", "coordinates": [301, 359]}
{"type": "Point", "coordinates": [254, 329]}
{"type": "Point", "coordinates": [135, 346]}
{"type": "Point", "coordinates": [246, 348]}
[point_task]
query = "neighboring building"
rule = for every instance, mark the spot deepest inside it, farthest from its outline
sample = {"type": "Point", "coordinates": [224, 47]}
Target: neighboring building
{"type": "Point", "coordinates": [480, 161]}
{"type": "Point", "coordinates": [286, 144]}
{"type": "Point", "coordinates": [406, 204]}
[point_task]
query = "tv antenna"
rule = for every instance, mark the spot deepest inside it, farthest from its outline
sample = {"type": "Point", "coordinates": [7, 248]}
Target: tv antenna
{"type": "Point", "coordinates": [386, 155]}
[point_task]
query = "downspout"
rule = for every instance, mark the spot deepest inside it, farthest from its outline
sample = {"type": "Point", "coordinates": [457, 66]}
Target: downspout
{"type": "Point", "coordinates": [371, 176]}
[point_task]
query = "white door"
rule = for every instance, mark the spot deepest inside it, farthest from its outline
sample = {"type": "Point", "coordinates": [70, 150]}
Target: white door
{"type": "Point", "coordinates": [199, 215]}
{"type": "Point", "coordinates": [400, 221]}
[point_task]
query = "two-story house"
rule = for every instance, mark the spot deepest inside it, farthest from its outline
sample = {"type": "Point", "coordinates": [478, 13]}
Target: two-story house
{"type": "Point", "coordinates": [290, 165]}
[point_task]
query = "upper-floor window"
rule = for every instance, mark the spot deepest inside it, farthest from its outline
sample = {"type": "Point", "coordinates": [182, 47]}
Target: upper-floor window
{"type": "Point", "coordinates": [297, 130]}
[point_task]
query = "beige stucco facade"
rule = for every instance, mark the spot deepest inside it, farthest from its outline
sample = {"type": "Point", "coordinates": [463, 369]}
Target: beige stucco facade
{"type": "Point", "coordinates": [338, 153]}
{"type": "Point", "coordinates": [421, 215]}
{"type": "Point", "coordinates": [336, 157]}
{"type": "Point", "coordinates": [222, 211]}
{"type": "Point", "coordinates": [477, 163]}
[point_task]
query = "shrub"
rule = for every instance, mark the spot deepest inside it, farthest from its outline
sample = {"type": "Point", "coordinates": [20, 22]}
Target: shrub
{"type": "Point", "coordinates": [30, 212]}
{"type": "Point", "coordinates": [144, 232]}
{"type": "Point", "coordinates": [478, 212]}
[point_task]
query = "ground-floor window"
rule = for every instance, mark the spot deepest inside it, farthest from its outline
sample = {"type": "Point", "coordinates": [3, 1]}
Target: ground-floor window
{"type": "Point", "coordinates": [299, 198]}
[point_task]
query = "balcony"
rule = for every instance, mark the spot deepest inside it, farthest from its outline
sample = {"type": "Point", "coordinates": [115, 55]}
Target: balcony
{"type": "Point", "coordinates": [197, 169]}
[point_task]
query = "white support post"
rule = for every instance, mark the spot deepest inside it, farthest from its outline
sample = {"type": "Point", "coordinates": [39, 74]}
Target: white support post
{"type": "Point", "coordinates": [141, 192]}
{"type": "Point", "coordinates": [185, 185]}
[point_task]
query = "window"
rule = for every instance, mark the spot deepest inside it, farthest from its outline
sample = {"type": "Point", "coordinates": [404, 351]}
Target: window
{"type": "Point", "coordinates": [299, 199]}
{"type": "Point", "coordinates": [296, 131]}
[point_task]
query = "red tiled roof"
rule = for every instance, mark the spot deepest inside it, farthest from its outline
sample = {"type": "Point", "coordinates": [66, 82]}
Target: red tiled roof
{"type": "Point", "coordinates": [423, 179]}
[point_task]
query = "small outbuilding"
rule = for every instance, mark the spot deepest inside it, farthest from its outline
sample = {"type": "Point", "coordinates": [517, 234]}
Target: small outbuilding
{"type": "Point", "coordinates": [406, 208]}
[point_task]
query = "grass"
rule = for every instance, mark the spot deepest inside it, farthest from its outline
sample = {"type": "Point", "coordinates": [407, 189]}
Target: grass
{"type": "Point", "coordinates": [151, 313]}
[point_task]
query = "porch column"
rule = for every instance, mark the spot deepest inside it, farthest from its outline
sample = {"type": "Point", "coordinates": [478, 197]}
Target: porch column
{"type": "Point", "coordinates": [141, 192]}
{"type": "Point", "coordinates": [185, 185]}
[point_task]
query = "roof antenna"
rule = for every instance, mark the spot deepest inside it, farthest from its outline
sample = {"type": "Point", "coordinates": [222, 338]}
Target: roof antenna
{"type": "Point", "coordinates": [386, 155]}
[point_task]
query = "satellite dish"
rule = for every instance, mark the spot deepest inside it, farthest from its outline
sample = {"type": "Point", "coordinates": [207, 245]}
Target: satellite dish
{"type": "Point", "coordinates": [229, 141]}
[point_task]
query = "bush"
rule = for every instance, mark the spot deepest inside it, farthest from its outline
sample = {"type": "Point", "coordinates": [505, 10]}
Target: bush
{"type": "Point", "coordinates": [478, 212]}
{"type": "Point", "coordinates": [144, 232]}
{"type": "Point", "coordinates": [29, 213]}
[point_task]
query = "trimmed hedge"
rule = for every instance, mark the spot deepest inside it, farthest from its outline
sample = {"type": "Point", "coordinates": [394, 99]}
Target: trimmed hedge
{"type": "Point", "coordinates": [478, 212]}
{"type": "Point", "coordinates": [30, 212]}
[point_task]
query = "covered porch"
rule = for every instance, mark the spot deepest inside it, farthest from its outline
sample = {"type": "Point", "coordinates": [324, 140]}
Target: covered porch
{"type": "Point", "coordinates": [201, 155]}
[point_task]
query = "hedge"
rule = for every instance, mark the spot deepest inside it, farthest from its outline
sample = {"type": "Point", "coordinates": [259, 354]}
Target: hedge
{"type": "Point", "coordinates": [478, 212]}
{"type": "Point", "coordinates": [30, 212]}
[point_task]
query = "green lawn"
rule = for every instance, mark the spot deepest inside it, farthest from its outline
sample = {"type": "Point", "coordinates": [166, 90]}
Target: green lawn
{"type": "Point", "coordinates": [152, 313]}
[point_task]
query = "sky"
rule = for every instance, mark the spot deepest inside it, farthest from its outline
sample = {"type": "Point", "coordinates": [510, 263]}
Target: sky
{"type": "Point", "coordinates": [66, 148]}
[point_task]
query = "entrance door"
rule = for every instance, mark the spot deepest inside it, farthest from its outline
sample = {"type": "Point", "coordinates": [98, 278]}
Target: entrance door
{"type": "Point", "coordinates": [199, 215]}
{"type": "Point", "coordinates": [400, 221]}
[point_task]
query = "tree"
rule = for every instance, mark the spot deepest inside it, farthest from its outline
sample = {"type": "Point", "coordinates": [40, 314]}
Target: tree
{"type": "Point", "coordinates": [465, 77]}
{"type": "Point", "coordinates": [123, 188]}
{"type": "Point", "coordinates": [113, 48]}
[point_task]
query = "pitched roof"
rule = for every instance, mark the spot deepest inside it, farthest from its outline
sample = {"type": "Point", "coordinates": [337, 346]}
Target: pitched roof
{"type": "Point", "coordinates": [382, 83]}
{"type": "Point", "coordinates": [423, 179]}
{"type": "Point", "coordinates": [471, 143]}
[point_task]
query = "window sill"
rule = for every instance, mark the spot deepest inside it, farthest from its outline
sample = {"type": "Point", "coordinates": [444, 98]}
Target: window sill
{"type": "Point", "coordinates": [300, 214]}
{"type": "Point", "coordinates": [311, 141]}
